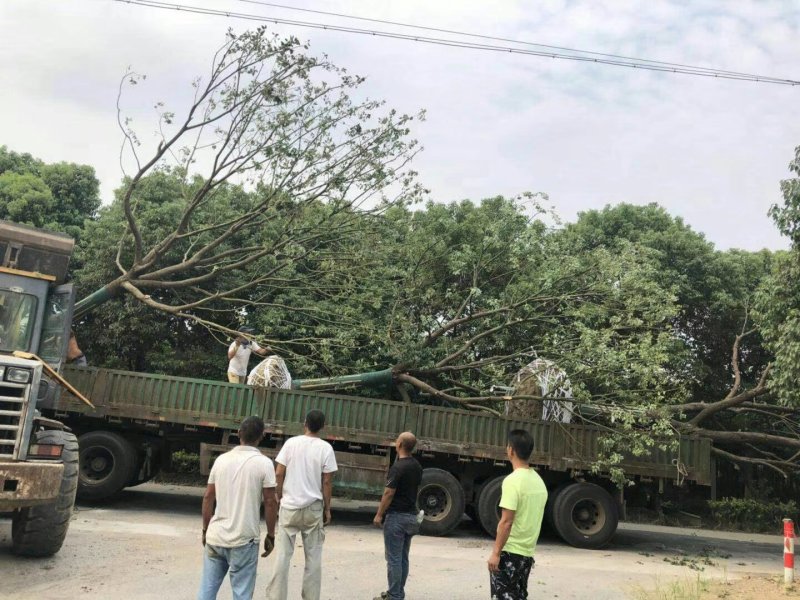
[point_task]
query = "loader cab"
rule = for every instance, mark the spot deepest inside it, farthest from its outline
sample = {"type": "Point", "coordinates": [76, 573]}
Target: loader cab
{"type": "Point", "coordinates": [35, 302]}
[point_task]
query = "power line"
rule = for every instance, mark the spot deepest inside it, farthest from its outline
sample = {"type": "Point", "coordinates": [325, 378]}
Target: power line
{"type": "Point", "coordinates": [596, 58]}
{"type": "Point", "coordinates": [483, 36]}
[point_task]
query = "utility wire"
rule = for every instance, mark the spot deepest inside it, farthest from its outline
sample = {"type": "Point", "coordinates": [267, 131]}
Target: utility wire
{"type": "Point", "coordinates": [483, 36]}
{"type": "Point", "coordinates": [594, 58]}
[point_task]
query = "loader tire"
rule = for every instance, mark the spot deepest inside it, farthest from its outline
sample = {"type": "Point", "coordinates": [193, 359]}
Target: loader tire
{"type": "Point", "coordinates": [40, 530]}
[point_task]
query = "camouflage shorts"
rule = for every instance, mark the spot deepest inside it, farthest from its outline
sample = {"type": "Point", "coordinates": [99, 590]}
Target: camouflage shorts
{"type": "Point", "coordinates": [510, 582]}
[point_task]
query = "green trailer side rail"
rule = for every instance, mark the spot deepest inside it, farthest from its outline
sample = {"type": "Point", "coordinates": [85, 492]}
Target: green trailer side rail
{"type": "Point", "coordinates": [357, 420]}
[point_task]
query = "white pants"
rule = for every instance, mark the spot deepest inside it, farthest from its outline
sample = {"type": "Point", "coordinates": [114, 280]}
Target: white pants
{"type": "Point", "coordinates": [308, 523]}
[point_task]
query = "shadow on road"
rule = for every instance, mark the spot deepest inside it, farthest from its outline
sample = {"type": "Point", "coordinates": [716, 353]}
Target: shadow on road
{"type": "Point", "coordinates": [646, 540]}
{"type": "Point", "coordinates": [136, 500]}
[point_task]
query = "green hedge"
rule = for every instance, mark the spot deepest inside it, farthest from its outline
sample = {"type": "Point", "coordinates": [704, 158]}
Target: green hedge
{"type": "Point", "coordinates": [185, 462]}
{"type": "Point", "coordinates": [752, 515]}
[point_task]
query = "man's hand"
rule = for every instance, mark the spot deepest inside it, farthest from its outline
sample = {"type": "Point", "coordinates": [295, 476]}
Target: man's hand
{"type": "Point", "coordinates": [204, 538]}
{"type": "Point", "coordinates": [269, 545]}
{"type": "Point", "coordinates": [327, 518]}
{"type": "Point", "coordinates": [494, 562]}
{"type": "Point", "coordinates": [378, 520]}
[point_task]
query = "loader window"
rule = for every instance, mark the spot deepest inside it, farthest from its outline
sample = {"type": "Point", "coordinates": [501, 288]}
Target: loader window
{"type": "Point", "coordinates": [17, 316]}
{"type": "Point", "coordinates": [53, 345]}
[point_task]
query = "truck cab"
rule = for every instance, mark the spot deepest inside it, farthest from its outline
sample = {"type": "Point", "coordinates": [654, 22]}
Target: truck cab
{"type": "Point", "coordinates": [38, 458]}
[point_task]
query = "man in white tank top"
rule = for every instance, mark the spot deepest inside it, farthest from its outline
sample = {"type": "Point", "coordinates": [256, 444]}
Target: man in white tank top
{"type": "Point", "coordinates": [306, 465]}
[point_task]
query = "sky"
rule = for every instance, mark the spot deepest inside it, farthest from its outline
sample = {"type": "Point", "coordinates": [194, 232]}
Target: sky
{"type": "Point", "coordinates": [711, 151]}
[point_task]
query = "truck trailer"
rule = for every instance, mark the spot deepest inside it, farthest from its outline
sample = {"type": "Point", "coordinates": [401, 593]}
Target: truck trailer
{"type": "Point", "coordinates": [138, 417]}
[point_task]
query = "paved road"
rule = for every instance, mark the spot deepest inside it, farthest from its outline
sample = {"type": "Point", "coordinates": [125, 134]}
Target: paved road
{"type": "Point", "coordinates": [146, 545]}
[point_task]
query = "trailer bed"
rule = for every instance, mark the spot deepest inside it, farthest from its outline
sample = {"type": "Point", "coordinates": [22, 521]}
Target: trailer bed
{"type": "Point", "coordinates": [357, 420]}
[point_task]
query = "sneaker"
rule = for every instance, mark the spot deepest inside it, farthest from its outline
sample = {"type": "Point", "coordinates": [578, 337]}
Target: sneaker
{"type": "Point", "coordinates": [383, 596]}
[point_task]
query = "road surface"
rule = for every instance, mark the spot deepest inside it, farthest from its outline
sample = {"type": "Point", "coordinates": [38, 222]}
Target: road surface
{"type": "Point", "coordinates": [146, 545]}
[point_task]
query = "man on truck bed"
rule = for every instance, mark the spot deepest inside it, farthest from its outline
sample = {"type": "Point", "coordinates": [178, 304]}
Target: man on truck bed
{"type": "Point", "coordinates": [522, 501]}
{"type": "Point", "coordinates": [239, 355]}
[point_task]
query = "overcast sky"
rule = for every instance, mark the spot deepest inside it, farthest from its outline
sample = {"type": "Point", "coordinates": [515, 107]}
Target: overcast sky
{"type": "Point", "coordinates": [711, 151]}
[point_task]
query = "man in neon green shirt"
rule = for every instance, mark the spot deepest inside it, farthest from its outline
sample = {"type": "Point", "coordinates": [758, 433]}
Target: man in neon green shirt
{"type": "Point", "coordinates": [522, 502]}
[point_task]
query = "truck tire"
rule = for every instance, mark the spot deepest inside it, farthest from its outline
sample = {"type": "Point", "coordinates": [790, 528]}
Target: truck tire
{"type": "Point", "coordinates": [40, 530]}
{"type": "Point", "coordinates": [488, 505]}
{"type": "Point", "coordinates": [585, 515]}
{"type": "Point", "coordinates": [441, 496]}
{"type": "Point", "coordinates": [548, 523]}
{"type": "Point", "coordinates": [108, 464]}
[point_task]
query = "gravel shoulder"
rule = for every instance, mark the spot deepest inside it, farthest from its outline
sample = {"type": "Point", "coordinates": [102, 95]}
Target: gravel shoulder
{"type": "Point", "coordinates": [146, 545]}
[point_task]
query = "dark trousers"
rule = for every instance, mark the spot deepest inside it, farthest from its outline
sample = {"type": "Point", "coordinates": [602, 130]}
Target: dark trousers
{"type": "Point", "coordinates": [511, 581]}
{"type": "Point", "coordinates": [398, 529]}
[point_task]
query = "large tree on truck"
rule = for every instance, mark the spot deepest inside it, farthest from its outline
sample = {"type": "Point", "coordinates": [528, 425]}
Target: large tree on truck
{"type": "Point", "coordinates": [275, 196]}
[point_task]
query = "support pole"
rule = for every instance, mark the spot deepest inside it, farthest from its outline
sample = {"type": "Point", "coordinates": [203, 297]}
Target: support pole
{"type": "Point", "coordinates": [788, 551]}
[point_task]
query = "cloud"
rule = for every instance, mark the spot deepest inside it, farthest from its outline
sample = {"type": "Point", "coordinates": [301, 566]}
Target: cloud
{"type": "Point", "coordinates": [711, 151]}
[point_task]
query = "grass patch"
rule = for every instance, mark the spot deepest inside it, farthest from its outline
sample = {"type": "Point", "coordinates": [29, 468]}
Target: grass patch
{"type": "Point", "coordinates": [683, 589]}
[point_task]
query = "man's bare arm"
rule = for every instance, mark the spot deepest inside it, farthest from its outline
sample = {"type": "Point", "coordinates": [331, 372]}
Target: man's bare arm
{"type": "Point", "coordinates": [280, 476]}
{"type": "Point", "coordinates": [503, 531]}
{"type": "Point", "coordinates": [327, 492]}
{"type": "Point", "coordinates": [386, 500]}
{"type": "Point", "coordinates": [209, 498]}
{"type": "Point", "coordinates": [270, 510]}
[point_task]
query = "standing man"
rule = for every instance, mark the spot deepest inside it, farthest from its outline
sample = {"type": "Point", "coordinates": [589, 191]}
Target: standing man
{"type": "Point", "coordinates": [306, 465]}
{"type": "Point", "coordinates": [522, 501]}
{"type": "Point", "coordinates": [239, 355]}
{"type": "Point", "coordinates": [238, 482]}
{"type": "Point", "coordinates": [399, 505]}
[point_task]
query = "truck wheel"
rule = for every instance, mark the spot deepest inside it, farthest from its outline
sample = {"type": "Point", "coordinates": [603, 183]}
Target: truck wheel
{"type": "Point", "coordinates": [40, 530]}
{"type": "Point", "coordinates": [548, 522]}
{"type": "Point", "coordinates": [489, 505]}
{"type": "Point", "coordinates": [108, 463]}
{"type": "Point", "coordinates": [441, 496]}
{"type": "Point", "coordinates": [585, 515]}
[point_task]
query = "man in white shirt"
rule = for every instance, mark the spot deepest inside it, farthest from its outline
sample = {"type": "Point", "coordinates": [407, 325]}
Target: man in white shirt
{"type": "Point", "coordinates": [239, 355]}
{"type": "Point", "coordinates": [239, 480]}
{"type": "Point", "coordinates": [306, 465]}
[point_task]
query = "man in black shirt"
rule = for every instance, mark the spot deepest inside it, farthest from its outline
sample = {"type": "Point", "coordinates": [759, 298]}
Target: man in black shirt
{"type": "Point", "coordinates": [399, 505]}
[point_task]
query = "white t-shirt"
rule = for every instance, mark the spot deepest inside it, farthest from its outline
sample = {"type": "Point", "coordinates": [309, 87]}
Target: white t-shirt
{"type": "Point", "coordinates": [238, 364]}
{"type": "Point", "coordinates": [306, 458]}
{"type": "Point", "coordinates": [239, 477]}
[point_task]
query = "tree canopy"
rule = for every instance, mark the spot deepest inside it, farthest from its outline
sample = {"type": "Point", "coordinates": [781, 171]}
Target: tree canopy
{"type": "Point", "coordinates": [58, 196]}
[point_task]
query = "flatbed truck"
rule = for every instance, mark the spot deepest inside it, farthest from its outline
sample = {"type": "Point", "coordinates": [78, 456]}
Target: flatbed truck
{"type": "Point", "coordinates": [138, 418]}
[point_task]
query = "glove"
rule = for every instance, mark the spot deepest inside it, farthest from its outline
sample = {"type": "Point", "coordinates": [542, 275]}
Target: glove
{"type": "Point", "coordinates": [269, 545]}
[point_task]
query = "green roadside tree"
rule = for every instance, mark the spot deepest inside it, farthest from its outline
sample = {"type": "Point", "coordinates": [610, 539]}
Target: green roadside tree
{"type": "Point", "coordinates": [24, 198]}
{"type": "Point", "coordinates": [58, 196]}
{"type": "Point", "coordinates": [715, 290]}
{"type": "Point", "coordinates": [779, 301]}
